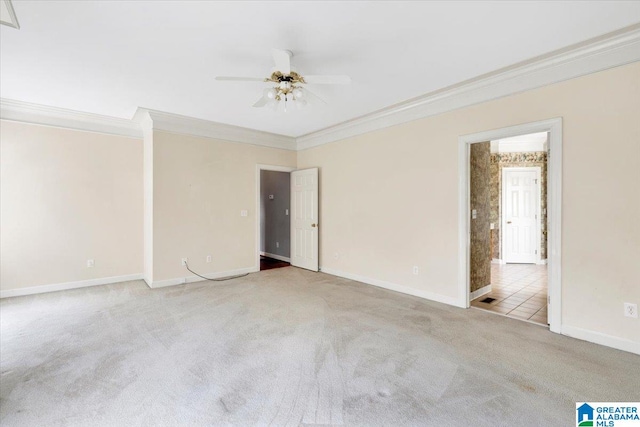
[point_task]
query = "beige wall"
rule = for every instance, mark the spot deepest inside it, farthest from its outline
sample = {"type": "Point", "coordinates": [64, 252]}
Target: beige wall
{"type": "Point", "coordinates": [389, 197]}
{"type": "Point", "coordinates": [388, 200]}
{"type": "Point", "coordinates": [67, 196]}
{"type": "Point", "coordinates": [200, 185]}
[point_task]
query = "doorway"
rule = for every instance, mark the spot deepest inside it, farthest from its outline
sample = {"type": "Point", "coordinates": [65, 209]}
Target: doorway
{"type": "Point", "coordinates": [274, 218]}
{"type": "Point", "coordinates": [507, 193]}
{"type": "Point", "coordinates": [287, 217]}
{"type": "Point", "coordinates": [510, 221]}
{"type": "Point", "coordinates": [520, 204]}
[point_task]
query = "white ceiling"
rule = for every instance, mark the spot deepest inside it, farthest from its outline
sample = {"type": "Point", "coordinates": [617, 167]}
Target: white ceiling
{"type": "Point", "coordinates": [109, 57]}
{"type": "Point", "coordinates": [516, 144]}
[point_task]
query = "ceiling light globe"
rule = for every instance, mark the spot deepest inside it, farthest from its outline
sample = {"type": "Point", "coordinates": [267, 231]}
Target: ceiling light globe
{"type": "Point", "coordinates": [271, 94]}
{"type": "Point", "coordinates": [298, 93]}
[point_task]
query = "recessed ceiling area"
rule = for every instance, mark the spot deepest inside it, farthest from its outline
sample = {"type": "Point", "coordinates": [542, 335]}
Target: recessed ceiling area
{"type": "Point", "coordinates": [111, 57]}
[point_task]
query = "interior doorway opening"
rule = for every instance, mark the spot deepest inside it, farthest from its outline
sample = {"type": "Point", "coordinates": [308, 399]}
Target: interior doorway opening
{"type": "Point", "coordinates": [508, 272]}
{"type": "Point", "coordinates": [275, 224]}
{"type": "Point", "coordinates": [287, 217]}
{"type": "Point", "coordinates": [553, 223]}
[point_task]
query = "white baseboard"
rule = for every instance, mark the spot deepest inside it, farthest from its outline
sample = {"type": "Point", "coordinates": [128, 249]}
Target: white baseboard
{"type": "Point", "coordinates": [274, 256]}
{"type": "Point", "coordinates": [602, 339]}
{"type": "Point", "coordinates": [68, 285]}
{"type": "Point", "coordinates": [497, 261]}
{"type": "Point", "coordinates": [191, 279]}
{"type": "Point", "coordinates": [479, 292]}
{"type": "Point", "coordinates": [394, 287]}
{"type": "Point", "coordinates": [542, 262]}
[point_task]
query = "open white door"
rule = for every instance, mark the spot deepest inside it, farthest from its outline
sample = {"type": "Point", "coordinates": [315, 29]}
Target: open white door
{"type": "Point", "coordinates": [304, 219]}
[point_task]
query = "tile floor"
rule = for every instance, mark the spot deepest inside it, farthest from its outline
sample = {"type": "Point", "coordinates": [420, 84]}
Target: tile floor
{"type": "Point", "coordinates": [520, 291]}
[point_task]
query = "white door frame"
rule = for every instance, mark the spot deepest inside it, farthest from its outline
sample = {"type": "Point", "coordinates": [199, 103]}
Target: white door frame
{"type": "Point", "coordinates": [503, 203]}
{"type": "Point", "coordinates": [259, 168]}
{"type": "Point", "coordinates": [554, 209]}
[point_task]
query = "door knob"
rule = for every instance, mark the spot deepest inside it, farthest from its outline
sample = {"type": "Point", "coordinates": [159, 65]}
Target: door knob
{"type": "Point", "coordinates": [508, 222]}
{"type": "Point", "coordinates": [313, 225]}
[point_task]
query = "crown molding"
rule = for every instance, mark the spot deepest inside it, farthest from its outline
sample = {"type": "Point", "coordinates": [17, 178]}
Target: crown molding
{"type": "Point", "coordinates": [8, 18]}
{"type": "Point", "coordinates": [176, 123]}
{"type": "Point", "coordinates": [19, 111]}
{"type": "Point", "coordinates": [610, 50]}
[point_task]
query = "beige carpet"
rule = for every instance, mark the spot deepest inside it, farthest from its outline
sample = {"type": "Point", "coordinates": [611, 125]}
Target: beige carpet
{"type": "Point", "coordinates": [289, 347]}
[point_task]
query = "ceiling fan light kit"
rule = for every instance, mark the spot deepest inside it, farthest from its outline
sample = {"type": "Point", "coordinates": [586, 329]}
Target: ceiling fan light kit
{"type": "Point", "coordinates": [288, 84]}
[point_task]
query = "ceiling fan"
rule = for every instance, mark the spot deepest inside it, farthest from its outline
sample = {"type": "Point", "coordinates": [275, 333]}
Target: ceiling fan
{"type": "Point", "coordinates": [288, 85]}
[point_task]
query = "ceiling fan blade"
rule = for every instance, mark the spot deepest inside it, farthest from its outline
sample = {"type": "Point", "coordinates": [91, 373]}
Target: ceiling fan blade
{"type": "Point", "coordinates": [311, 97]}
{"type": "Point", "coordinates": [261, 102]}
{"type": "Point", "coordinates": [239, 79]}
{"type": "Point", "coordinates": [328, 80]}
{"type": "Point", "coordinates": [282, 58]}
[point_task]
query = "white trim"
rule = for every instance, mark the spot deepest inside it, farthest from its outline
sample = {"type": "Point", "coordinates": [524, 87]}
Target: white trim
{"type": "Point", "coordinates": [184, 125]}
{"type": "Point", "coordinates": [68, 285]}
{"type": "Point", "coordinates": [274, 256]}
{"type": "Point", "coordinates": [19, 111]}
{"type": "Point", "coordinates": [480, 292]}
{"type": "Point", "coordinates": [542, 262]}
{"type": "Point", "coordinates": [13, 19]}
{"type": "Point", "coordinates": [610, 50]}
{"type": "Point", "coordinates": [275, 168]}
{"type": "Point", "coordinates": [192, 279]}
{"type": "Point", "coordinates": [394, 287]}
{"type": "Point", "coordinates": [147, 177]}
{"type": "Point", "coordinates": [260, 167]}
{"type": "Point", "coordinates": [602, 339]}
{"type": "Point", "coordinates": [503, 203]}
{"type": "Point", "coordinates": [554, 209]}
{"type": "Point", "coordinates": [497, 261]}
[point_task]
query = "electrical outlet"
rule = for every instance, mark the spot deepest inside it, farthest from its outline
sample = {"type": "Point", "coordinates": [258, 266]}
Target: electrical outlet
{"type": "Point", "coordinates": [631, 310]}
{"type": "Point", "coordinates": [336, 255]}
{"type": "Point", "coordinates": [286, 211]}
{"type": "Point", "coordinates": [90, 263]}
{"type": "Point", "coordinates": [208, 258]}
{"type": "Point", "coordinates": [184, 261]}
{"type": "Point", "coordinates": [277, 244]}
{"type": "Point", "coordinates": [243, 213]}
{"type": "Point", "coordinates": [416, 270]}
